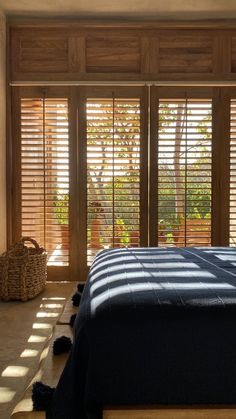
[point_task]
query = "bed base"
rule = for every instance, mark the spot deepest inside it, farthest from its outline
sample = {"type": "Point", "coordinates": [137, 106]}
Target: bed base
{"type": "Point", "coordinates": [167, 412]}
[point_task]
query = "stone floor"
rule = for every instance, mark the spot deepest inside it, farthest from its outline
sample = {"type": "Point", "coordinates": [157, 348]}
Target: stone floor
{"type": "Point", "coordinates": [26, 329]}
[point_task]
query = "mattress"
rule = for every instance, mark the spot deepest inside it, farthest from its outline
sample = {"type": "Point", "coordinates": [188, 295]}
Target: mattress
{"type": "Point", "coordinates": [155, 326]}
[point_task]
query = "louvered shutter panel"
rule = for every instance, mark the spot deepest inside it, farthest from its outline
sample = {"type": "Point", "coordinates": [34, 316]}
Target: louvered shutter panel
{"type": "Point", "coordinates": [232, 206]}
{"type": "Point", "coordinates": [45, 175]}
{"type": "Point", "coordinates": [184, 172]}
{"type": "Point", "coordinates": [113, 174]}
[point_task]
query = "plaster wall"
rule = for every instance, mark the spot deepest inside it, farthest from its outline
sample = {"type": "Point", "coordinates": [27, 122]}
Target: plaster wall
{"type": "Point", "coordinates": [2, 132]}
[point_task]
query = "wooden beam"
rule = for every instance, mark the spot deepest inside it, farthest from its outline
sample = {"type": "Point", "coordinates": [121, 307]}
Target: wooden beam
{"type": "Point", "coordinates": [76, 54]}
{"type": "Point", "coordinates": [113, 23]}
{"type": "Point", "coordinates": [171, 413]}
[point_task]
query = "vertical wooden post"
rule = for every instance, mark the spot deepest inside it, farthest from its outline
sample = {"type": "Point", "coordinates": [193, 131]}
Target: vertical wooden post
{"type": "Point", "coordinates": [153, 175]}
{"type": "Point", "coordinates": [220, 167]}
{"type": "Point", "coordinates": [81, 185]}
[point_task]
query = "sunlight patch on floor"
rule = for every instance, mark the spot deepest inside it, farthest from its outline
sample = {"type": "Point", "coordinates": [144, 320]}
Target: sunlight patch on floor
{"type": "Point", "coordinates": [36, 339]}
{"type": "Point", "coordinates": [41, 314]}
{"type": "Point", "coordinates": [29, 353]}
{"type": "Point", "coordinates": [42, 326]}
{"type": "Point", "coordinates": [51, 305]}
{"type": "Point", "coordinates": [15, 371]}
{"type": "Point", "coordinates": [6, 394]}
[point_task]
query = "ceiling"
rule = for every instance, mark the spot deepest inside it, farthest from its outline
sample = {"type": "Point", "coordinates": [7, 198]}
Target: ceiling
{"type": "Point", "coordinates": [126, 9]}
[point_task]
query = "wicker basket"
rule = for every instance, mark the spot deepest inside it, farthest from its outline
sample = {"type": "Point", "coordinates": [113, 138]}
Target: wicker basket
{"type": "Point", "coordinates": [23, 271]}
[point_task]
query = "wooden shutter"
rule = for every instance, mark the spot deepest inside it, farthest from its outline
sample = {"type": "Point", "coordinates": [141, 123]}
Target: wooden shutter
{"type": "Point", "coordinates": [45, 175]}
{"type": "Point", "coordinates": [232, 206]}
{"type": "Point", "coordinates": [183, 177]}
{"type": "Point", "coordinates": [113, 173]}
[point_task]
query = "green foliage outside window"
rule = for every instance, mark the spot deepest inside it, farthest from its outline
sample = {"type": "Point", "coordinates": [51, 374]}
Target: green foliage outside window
{"type": "Point", "coordinates": [61, 208]}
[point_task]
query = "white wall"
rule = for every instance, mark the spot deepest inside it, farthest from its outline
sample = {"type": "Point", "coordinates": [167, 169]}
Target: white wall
{"type": "Point", "coordinates": [2, 132]}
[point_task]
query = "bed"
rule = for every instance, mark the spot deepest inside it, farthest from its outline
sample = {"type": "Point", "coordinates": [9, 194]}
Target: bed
{"type": "Point", "coordinates": [156, 326]}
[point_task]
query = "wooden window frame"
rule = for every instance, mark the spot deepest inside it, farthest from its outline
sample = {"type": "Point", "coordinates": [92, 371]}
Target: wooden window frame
{"type": "Point", "coordinates": [77, 96]}
{"type": "Point", "coordinates": [89, 92]}
{"type": "Point", "coordinates": [220, 156]}
{"type": "Point", "coordinates": [60, 273]}
{"type": "Point", "coordinates": [77, 269]}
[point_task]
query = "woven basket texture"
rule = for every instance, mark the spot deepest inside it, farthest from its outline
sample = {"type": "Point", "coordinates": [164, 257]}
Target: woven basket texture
{"type": "Point", "coordinates": [23, 271]}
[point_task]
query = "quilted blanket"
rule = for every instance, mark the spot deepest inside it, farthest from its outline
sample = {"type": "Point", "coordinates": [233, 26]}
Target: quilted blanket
{"type": "Point", "coordinates": [155, 326]}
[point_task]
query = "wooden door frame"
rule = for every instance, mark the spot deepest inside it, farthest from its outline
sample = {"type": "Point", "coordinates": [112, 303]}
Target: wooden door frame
{"type": "Point", "coordinates": [55, 273]}
{"type": "Point", "coordinates": [85, 93]}
{"type": "Point", "coordinates": [220, 156]}
{"type": "Point", "coordinates": [77, 97]}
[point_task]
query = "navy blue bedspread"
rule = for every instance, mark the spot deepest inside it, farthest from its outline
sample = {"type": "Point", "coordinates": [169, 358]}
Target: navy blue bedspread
{"type": "Point", "coordinates": [155, 326]}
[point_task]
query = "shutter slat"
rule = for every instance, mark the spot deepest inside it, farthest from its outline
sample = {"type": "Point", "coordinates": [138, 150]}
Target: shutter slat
{"type": "Point", "coordinates": [184, 172]}
{"type": "Point", "coordinates": [45, 175]}
{"type": "Point", "coordinates": [113, 174]}
{"type": "Point", "coordinates": [232, 190]}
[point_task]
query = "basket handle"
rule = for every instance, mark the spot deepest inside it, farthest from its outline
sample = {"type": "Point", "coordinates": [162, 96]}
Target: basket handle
{"type": "Point", "coordinates": [29, 239]}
